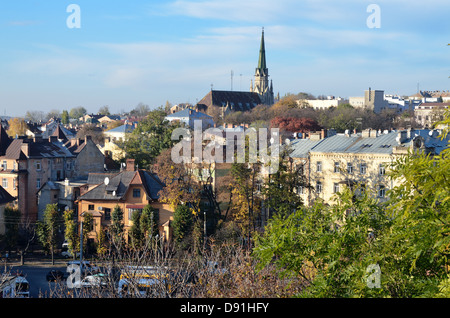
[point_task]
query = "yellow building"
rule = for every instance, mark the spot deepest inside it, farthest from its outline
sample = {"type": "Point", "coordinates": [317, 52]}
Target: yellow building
{"type": "Point", "coordinates": [359, 160]}
{"type": "Point", "coordinates": [131, 190]}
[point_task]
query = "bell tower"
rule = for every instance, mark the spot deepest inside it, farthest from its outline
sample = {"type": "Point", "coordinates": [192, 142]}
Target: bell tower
{"type": "Point", "coordinates": [262, 86]}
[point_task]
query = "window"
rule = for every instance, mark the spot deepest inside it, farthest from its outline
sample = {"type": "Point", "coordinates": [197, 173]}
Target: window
{"type": "Point", "coordinates": [319, 187]}
{"type": "Point", "coordinates": [132, 211]}
{"type": "Point", "coordinates": [91, 207]}
{"type": "Point", "coordinates": [336, 166]}
{"type": "Point", "coordinates": [4, 165]}
{"type": "Point", "coordinates": [319, 166]}
{"type": "Point", "coordinates": [107, 214]}
{"type": "Point", "coordinates": [300, 169]}
{"type": "Point", "coordinates": [363, 168]}
{"type": "Point", "coordinates": [14, 183]}
{"type": "Point", "coordinates": [301, 190]}
{"type": "Point", "coordinates": [38, 183]}
{"type": "Point", "coordinates": [382, 170]}
{"type": "Point", "coordinates": [349, 168]}
{"type": "Point", "coordinates": [38, 165]}
{"type": "Point", "coordinates": [136, 193]}
{"type": "Point", "coordinates": [4, 183]}
{"type": "Point", "coordinates": [335, 187]}
{"type": "Point", "coordinates": [381, 191]}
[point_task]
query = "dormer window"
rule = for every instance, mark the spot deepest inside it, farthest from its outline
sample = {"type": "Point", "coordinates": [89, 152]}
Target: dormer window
{"type": "Point", "coordinates": [136, 193]}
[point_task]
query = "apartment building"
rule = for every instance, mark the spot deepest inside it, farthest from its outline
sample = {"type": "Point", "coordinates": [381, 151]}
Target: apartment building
{"type": "Point", "coordinates": [27, 164]}
{"type": "Point", "coordinates": [358, 160]}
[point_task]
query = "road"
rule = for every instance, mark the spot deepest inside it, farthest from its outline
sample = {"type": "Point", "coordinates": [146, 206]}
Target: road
{"type": "Point", "coordinates": [39, 286]}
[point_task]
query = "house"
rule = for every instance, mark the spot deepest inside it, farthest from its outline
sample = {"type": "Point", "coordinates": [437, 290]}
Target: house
{"type": "Point", "coordinates": [189, 116]}
{"type": "Point", "coordinates": [426, 114]}
{"type": "Point", "coordinates": [132, 190]}
{"type": "Point", "coordinates": [112, 136]}
{"type": "Point", "coordinates": [88, 157]}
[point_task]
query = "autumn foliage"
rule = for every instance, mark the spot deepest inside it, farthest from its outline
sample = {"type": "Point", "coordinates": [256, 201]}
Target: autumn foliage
{"type": "Point", "coordinates": [293, 124]}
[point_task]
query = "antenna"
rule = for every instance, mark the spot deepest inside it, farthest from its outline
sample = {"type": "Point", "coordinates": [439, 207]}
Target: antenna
{"type": "Point", "coordinates": [232, 74]}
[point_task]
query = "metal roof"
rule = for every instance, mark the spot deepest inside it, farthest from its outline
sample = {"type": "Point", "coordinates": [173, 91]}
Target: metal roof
{"type": "Point", "coordinates": [383, 143]}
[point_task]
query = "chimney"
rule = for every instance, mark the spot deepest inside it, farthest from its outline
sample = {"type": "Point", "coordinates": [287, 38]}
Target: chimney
{"type": "Point", "coordinates": [130, 165]}
{"type": "Point", "coordinates": [402, 136]}
{"type": "Point", "coordinates": [25, 147]}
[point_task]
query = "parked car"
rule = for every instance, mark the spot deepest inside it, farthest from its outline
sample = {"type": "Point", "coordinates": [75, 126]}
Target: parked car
{"type": "Point", "coordinates": [67, 254]}
{"type": "Point", "coordinates": [55, 275]}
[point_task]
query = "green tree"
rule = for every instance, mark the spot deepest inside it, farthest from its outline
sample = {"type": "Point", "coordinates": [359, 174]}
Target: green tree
{"type": "Point", "coordinates": [183, 221]}
{"type": "Point", "coordinates": [281, 189]}
{"type": "Point", "coordinates": [12, 219]}
{"type": "Point", "coordinates": [48, 229]}
{"type": "Point", "coordinates": [77, 112]}
{"type": "Point", "coordinates": [71, 231]}
{"type": "Point", "coordinates": [117, 227]}
{"type": "Point", "coordinates": [151, 136]}
{"type": "Point", "coordinates": [65, 117]}
{"type": "Point", "coordinates": [149, 221]}
{"type": "Point", "coordinates": [135, 232]}
{"type": "Point", "coordinates": [329, 247]}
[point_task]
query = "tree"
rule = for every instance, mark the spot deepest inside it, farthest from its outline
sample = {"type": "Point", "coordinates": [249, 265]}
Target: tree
{"type": "Point", "coordinates": [71, 232]}
{"type": "Point", "coordinates": [48, 229]}
{"type": "Point", "coordinates": [248, 203]}
{"type": "Point", "coordinates": [65, 117]}
{"type": "Point", "coordinates": [151, 136]}
{"type": "Point", "coordinates": [35, 116]}
{"type": "Point", "coordinates": [135, 232]}
{"type": "Point", "coordinates": [93, 131]}
{"type": "Point", "coordinates": [329, 247]}
{"type": "Point", "coordinates": [77, 112]}
{"type": "Point", "coordinates": [12, 219]}
{"type": "Point", "coordinates": [116, 229]}
{"type": "Point", "coordinates": [292, 124]}
{"type": "Point", "coordinates": [17, 126]}
{"type": "Point", "coordinates": [104, 110]}
{"type": "Point", "coordinates": [149, 222]}
{"type": "Point", "coordinates": [183, 222]}
{"type": "Point", "coordinates": [280, 191]}
{"type": "Point", "coordinates": [54, 113]}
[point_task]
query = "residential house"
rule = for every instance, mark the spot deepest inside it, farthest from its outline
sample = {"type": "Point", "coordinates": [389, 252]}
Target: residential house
{"type": "Point", "coordinates": [189, 116]}
{"type": "Point", "coordinates": [131, 189]}
{"type": "Point", "coordinates": [112, 136]}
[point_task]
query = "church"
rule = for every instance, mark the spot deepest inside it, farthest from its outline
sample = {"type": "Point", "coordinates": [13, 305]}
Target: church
{"type": "Point", "coordinates": [261, 91]}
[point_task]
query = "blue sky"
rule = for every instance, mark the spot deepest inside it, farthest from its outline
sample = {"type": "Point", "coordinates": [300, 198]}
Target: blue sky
{"type": "Point", "coordinates": [128, 52]}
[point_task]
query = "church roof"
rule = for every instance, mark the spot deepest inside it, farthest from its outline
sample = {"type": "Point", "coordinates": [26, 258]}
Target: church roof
{"type": "Point", "coordinates": [262, 54]}
{"type": "Point", "coordinates": [237, 101]}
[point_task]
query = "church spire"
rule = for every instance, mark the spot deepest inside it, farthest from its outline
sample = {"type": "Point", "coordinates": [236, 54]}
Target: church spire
{"type": "Point", "coordinates": [262, 54]}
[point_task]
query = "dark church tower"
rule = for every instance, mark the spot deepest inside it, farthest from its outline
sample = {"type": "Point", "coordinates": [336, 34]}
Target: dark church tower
{"type": "Point", "coordinates": [262, 77]}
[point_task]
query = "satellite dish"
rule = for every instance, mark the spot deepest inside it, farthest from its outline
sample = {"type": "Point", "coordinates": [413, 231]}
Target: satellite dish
{"type": "Point", "coordinates": [106, 181]}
